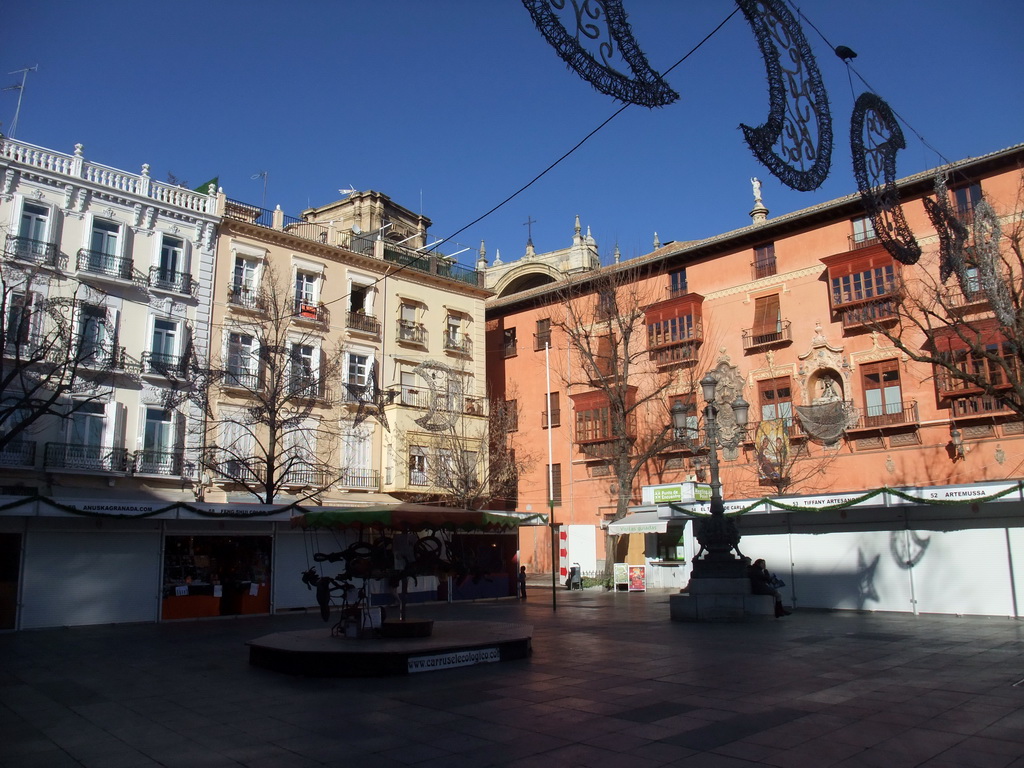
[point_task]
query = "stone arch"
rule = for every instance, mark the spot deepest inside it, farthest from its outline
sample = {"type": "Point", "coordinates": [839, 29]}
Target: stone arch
{"type": "Point", "coordinates": [526, 277]}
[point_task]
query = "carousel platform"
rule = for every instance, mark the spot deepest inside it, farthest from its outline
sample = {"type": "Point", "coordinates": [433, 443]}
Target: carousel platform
{"type": "Point", "coordinates": [318, 653]}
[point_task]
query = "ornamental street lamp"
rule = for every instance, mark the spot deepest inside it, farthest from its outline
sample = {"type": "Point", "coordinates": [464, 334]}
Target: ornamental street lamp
{"type": "Point", "coordinates": [716, 534]}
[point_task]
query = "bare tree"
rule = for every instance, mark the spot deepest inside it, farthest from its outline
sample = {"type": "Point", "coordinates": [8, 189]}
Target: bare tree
{"type": "Point", "coordinates": [961, 310]}
{"type": "Point", "coordinates": [273, 424]}
{"type": "Point", "coordinates": [604, 319]}
{"type": "Point", "coordinates": [54, 356]}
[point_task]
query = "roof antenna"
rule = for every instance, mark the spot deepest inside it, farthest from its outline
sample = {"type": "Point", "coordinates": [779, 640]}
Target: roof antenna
{"type": "Point", "coordinates": [20, 88]}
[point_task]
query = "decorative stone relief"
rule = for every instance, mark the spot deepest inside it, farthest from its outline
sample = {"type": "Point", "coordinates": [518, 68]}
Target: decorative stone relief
{"type": "Point", "coordinates": [81, 199]}
{"type": "Point", "coordinates": [878, 352]}
{"type": "Point", "coordinates": [9, 178]}
{"type": "Point", "coordinates": [138, 214]}
{"type": "Point", "coordinates": [730, 386]}
{"type": "Point", "coordinates": [823, 372]}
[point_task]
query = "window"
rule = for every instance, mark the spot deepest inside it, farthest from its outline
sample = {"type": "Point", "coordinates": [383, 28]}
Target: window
{"type": "Point", "coordinates": [670, 331]}
{"type": "Point", "coordinates": [863, 230]}
{"type": "Point", "coordinates": [764, 261]}
{"type": "Point", "coordinates": [554, 480]}
{"type": "Point", "coordinates": [104, 237]}
{"type": "Point", "coordinates": [358, 369]}
{"type": "Point", "coordinates": [20, 320]}
{"type": "Point", "coordinates": [93, 333]}
{"type": "Point", "coordinates": [671, 545]}
{"type": "Point", "coordinates": [453, 331]}
{"type": "Point", "coordinates": [965, 198]}
{"type": "Point", "coordinates": [241, 358]}
{"type": "Point", "coordinates": [607, 303]}
{"type": "Point", "coordinates": [244, 279]}
{"type": "Point", "coordinates": [776, 400]}
{"type": "Point", "coordinates": [158, 456]}
{"type": "Point", "coordinates": [87, 425]}
{"type": "Point", "coordinates": [410, 390]}
{"type": "Point", "coordinates": [542, 338]}
{"type": "Point", "coordinates": [509, 342]}
{"type": "Point", "coordinates": [359, 300]}
{"type": "Point", "coordinates": [164, 349]}
{"type": "Point", "coordinates": [552, 418]}
{"type": "Point", "coordinates": [104, 255]}
{"type": "Point", "coordinates": [408, 328]}
{"type": "Point", "coordinates": [767, 320]}
{"type": "Point", "coordinates": [357, 457]}
{"type": "Point", "coordinates": [172, 258]}
{"type": "Point", "coordinates": [677, 283]}
{"type": "Point", "coordinates": [33, 231]}
{"type": "Point", "coordinates": [237, 454]}
{"type": "Point", "coordinates": [417, 465]}
{"type": "Point", "coordinates": [883, 398]}
{"type": "Point", "coordinates": [302, 370]}
{"type": "Point", "coordinates": [509, 416]}
{"type": "Point", "coordinates": [688, 431]}
{"type": "Point", "coordinates": [863, 285]}
{"type": "Point", "coordinates": [593, 425]}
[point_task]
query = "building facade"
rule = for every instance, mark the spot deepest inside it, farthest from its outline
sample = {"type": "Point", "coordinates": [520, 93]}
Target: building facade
{"type": "Point", "coordinates": [791, 313]}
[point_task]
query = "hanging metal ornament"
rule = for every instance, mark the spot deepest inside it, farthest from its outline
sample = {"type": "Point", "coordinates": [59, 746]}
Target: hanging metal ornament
{"type": "Point", "coordinates": [440, 415]}
{"type": "Point", "coordinates": [603, 24]}
{"type": "Point", "coordinates": [987, 235]}
{"type": "Point", "coordinates": [371, 399]}
{"type": "Point", "coordinates": [795, 143]}
{"type": "Point", "coordinates": [951, 231]}
{"type": "Point", "coordinates": [875, 138]}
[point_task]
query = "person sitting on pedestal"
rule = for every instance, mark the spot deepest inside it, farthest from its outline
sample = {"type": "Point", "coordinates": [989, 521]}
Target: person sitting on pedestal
{"type": "Point", "coordinates": [761, 584]}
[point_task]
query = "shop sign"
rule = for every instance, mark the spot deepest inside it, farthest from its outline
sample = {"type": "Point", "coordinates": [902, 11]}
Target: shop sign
{"type": "Point", "coordinates": [620, 573]}
{"type": "Point", "coordinates": [676, 493]}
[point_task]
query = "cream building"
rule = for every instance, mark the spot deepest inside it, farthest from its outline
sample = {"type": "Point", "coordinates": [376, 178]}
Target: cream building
{"type": "Point", "coordinates": [393, 334]}
{"type": "Point", "coordinates": [122, 264]}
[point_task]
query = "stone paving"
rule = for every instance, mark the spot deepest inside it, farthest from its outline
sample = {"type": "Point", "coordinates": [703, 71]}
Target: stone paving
{"type": "Point", "coordinates": [612, 682]}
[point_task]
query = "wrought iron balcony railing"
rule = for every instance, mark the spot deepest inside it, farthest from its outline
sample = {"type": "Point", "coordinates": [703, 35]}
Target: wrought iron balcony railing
{"type": "Point", "coordinates": [760, 337]}
{"type": "Point", "coordinates": [20, 453]}
{"type": "Point", "coordinates": [241, 379]}
{"type": "Point", "coordinates": [91, 458]}
{"type": "Point", "coordinates": [169, 280]}
{"type": "Point", "coordinates": [309, 312]}
{"type": "Point", "coordinates": [164, 463]}
{"type": "Point", "coordinates": [367, 479]}
{"type": "Point", "coordinates": [36, 252]}
{"type": "Point", "coordinates": [412, 333]}
{"type": "Point", "coordinates": [244, 297]}
{"type": "Point", "coordinates": [107, 357]}
{"type": "Point", "coordinates": [357, 321]}
{"type": "Point", "coordinates": [164, 364]}
{"type": "Point", "coordinates": [306, 476]}
{"type": "Point", "coordinates": [881, 312]}
{"type": "Point", "coordinates": [107, 265]}
{"type": "Point", "coordinates": [763, 268]}
{"type": "Point", "coordinates": [887, 415]}
{"type": "Point", "coordinates": [459, 343]}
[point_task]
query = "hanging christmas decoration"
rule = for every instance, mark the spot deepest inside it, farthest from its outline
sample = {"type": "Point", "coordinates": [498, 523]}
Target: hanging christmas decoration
{"type": "Point", "coordinates": [795, 143]}
{"type": "Point", "coordinates": [603, 24]}
{"type": "Point", "coordinates": [875, 138]}
{"type": "Point", "coordinates": [951, 231]}
{"type": "Point", "coordinates": [371, 399]}
{"type": "Point", "coordinates": [445, 388]}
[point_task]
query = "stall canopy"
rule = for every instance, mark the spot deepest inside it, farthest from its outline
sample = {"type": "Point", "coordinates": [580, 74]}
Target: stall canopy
{"type": "Point", "coordinates": [638, 522]}
{"type": "Point", "coordinates": [416, 517]}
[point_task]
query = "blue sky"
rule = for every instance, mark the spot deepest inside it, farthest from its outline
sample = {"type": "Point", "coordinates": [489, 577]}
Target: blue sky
{"type": "Point", "coordinates": [450, 106]}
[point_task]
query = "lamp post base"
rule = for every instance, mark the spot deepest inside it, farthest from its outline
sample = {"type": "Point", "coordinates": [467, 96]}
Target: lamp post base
{"type": "Point", "coordinates": [716, 565]}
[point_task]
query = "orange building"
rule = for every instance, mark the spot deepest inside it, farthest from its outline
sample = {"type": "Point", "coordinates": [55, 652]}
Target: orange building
{"type": "Point", "coordinates": [793, 310]}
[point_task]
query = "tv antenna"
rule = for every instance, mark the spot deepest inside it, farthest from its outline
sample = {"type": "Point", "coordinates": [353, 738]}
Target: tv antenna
{"type": "Point", "coordinates": [20, 88]}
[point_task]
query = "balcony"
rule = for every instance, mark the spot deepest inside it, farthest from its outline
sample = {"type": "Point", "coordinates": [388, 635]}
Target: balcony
{"type": "Point", "coordinates": [362, 323]}
{"type": "Point", "coordinates": [241, 379]}
{"type": "Point", "coordinates": [161, 279]}
{"type": "Point", "coordinates": [758, 338]}
{"type": "Point", "coordinates": [880, 312]}
{"type": "Point", "coordinates": [603, 448]}
{"type": "Point", "coordinates": [417, 397]}
{"type": "Point", "coordinates": [239, 471]}
{"type": "Point", "coordinates": [313, 313]}
{"type": "Point", "coordinates": [19, 453]}
{"type": "Point", "coordinates": [88, 458]}
{"type": "Point", "coordinates": [458, 344]}
{"type": "Point", "coordinates": [366, 479]}
{"type": "Point", "coordinates": [889, 415]}
{"type": "Point", "coordinates": [302, 388]}
{"type": "Point", "coordinates": [305, 476]}
{"type": "Point", "coordinates": [247, 298]}
{"type": "Point", "coordinates": [109, 267]}
{"type": "Point", "coordinates": [412, 333]}
{"type": "Point", "coordinates": [162, 463]}
{"type": "Point", "coordinates": [978, 406]}
{"type": "Point", "coordinates": [762, 268]}
{"type": "Point", "coordinates": [416, 477]}
{"type": "Point", "coordinates": [160, 364]}
{"type": "Point", "coordinates": [862, 240]}
{"type": "Point", "coordinates": [962, 302]}
{"type": "Point", "coordinates": [36, 252]}
{"type": "Point", "coordinates": [107, 357]}
{"type": "Point", "coordinates": [790, 426]}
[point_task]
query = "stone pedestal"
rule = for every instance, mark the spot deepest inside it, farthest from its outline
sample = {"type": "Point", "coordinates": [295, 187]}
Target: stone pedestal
{"type": "Point", "coordinates": [726, 599]}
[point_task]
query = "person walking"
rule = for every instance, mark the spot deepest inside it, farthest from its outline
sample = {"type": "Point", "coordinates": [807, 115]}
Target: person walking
{"type": "Point", "coordinates": [522, 582]}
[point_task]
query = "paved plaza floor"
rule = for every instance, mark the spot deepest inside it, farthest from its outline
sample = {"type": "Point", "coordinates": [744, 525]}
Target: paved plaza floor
{"type": "Point", "coordinates": [611, 682]}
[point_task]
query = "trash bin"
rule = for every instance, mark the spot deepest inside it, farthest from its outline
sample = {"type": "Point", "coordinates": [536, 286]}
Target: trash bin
{"type": "Point", "coordinates": [575, 577]}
